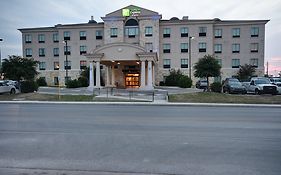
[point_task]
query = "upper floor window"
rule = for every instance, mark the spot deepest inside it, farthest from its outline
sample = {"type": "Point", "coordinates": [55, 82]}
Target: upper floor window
{"type": "Point", "coordinates": [28, 52]}
{"type": "Point", "coordinates": [254, 47]}
{"type": "Point", "coordinates": [67, 50]}
{"type": "Point", "coordinates": [218, 48]}
{"type": "Point", "coordinates": [166, 32]}
{"type": "Point", "coordinates": [83, 50]}
{"type": "Point", "coordinates": [184, 32]}
{"type": "Point", "coordinates": [98, 34]}
{"type": "Point", "coordinates": [202, 47]}
{"type": "Point", "coordinates": [83, 35]}
{"type": "Point", "coordinates": [184, 63]}
{"type": "Point", "coordinates": [219, 61]}
{"type": "Point", "coordinates": [42, 65]}
{"type": "Point", "coordinates": [166, 48]}
{"type": "Point", "coordinates": [41, 52]}
{"type": "Point", "coordinates": [55, 37]}
{"type": "Point", "coordinates": [67, 64]}
{"type": "Point", "coordinates": [235, 63]}
{"type": "Point", "coordinates": [28, 38]}
{"type": "Point", "coordinates": [218, 33]}
{"type": "Point", "coordinates": [254, 31]}
{"type": "Point", "coordinates": [254, 62]}
{"type": "Point", "coordinates": [236, 32]}
{"type": "Point", "coordinates": [83, 64]}
{"type": "Point", "coordinates": [202, 31]}
{"type": "Point", "coordinates": [41, 38]}
{"type": "Point", "coordinates": [184, 47]}
{"type": "Point", "coordinates": [149, 47]}
{"type": "Point", "coordinates": [131, 32]}
{"type": "Point", "coordinates": [113, 32]}
{"type": "Point", "coordinates": [56, 65]}
{"type": "Point", "coordinates": [235, 48]}
{"type": "Point", "coordinates": [66, 35]}
{"type": "Point", "coordinates": [166, 63]}
{"type": "Point", "coordinates": [56, 52]}
{"type": "Point", "coordinates": [148, 31]}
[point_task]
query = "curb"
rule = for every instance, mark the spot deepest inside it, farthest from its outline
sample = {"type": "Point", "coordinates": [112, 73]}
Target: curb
{"type": "Point", "coordinates": [146, 104]}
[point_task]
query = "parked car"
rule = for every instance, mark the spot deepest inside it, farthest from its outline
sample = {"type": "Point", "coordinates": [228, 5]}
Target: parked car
{"type": "Point", "coordinates": [261, 85]}
{"type": "Point", "coordinates": [201, 84]}
{"type": "Point", "coordinates": [276, 81]}
{"type": "Point", "coordinates": [233, 85]}
{"type": "Point", "coordinates": [14, 83]}
{"type": "Point", "coordinates": [5, 88]}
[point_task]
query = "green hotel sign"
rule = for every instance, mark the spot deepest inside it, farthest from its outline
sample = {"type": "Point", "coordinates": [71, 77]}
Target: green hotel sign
{"type": "Point", "coordinates": [131, 12]}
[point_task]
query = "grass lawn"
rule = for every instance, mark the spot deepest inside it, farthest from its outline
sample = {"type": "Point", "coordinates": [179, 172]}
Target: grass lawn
{"type": "Point", "coordinates": [211, 97]}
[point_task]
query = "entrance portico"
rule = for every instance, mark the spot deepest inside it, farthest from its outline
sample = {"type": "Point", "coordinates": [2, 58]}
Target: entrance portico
{"type": "Point", "coordinates": [126, 66]}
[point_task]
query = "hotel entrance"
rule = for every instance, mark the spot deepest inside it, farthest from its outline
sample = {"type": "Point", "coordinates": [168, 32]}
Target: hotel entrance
{"type": "Point", "coordinates": [132, 80]}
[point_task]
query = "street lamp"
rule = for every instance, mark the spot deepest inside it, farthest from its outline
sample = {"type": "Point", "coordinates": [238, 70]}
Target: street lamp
{"type": "Point", "coordinates": [189, 44]}
{"type": "Point", "coordinates": [1, 40]}
{"type": "Point", "coordinates": [66, 61]}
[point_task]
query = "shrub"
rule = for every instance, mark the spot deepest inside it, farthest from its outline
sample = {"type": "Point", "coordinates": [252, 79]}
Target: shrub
{"type": "Point", "coordinates": [41, 81]}
{"type": "Point", "coordinates": [216, 87]}
{"type": "Point", "coordinates": [28, 86]}
{"type": "Point", "coordinates": [83, 81]}
{"type": "Point", "coordinates": [73, 84]}
{"type": "Point", "coordinates": [185, 82]}
{"type": "Point", "coordinates": [176, 78]}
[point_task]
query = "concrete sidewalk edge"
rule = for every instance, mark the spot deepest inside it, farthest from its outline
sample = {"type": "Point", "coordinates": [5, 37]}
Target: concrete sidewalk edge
{"type": "Point", "coordinates": [146, 103]}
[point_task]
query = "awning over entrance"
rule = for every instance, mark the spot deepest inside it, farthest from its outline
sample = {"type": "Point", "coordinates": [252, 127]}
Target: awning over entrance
{"type": "Point", "coordinates": [118, 56]}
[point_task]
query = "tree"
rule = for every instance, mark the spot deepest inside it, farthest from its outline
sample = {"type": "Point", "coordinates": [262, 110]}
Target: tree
{"type": "Point", "coordinates": [207, 67]}
{"type": "Point", "coordinates": [245, 72]}
{"type": "Point", "coordinates": [19, 68]}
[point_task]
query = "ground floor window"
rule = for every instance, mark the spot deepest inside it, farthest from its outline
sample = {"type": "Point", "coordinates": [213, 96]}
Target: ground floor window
{"type": "Point", "coordinates": [166, 63]}
{"type": "Point", "coordinates": [56, 80]}
{"type": "Point", "coordinates": [235, 63]}
{"type": "Point", "coordinates": [184, 63]}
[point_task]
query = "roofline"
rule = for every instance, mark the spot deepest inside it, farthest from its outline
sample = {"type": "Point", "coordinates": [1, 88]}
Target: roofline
{"type": "Point", "coordinates": [215, 21]}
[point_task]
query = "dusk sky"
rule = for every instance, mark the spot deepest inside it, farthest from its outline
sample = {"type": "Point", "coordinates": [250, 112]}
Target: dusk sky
{"type": "Point", "coordinates": [17, 14]}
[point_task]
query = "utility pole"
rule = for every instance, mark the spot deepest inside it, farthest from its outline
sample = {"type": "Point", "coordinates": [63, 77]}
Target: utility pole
{"type": "Point", "coordinates": [267, 68]}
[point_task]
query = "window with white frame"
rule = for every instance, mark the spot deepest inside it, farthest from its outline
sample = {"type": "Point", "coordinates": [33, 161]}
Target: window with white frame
{"type": "Point", "coordinates": [218, 48]}
{"type": "Point", "coordinates": [55, 37]}
{"type": "Point", "coordinates": [148, 31]}
{"type": "Point", "coordinates": [42, 65]}
{"type": "Point", "coordinates": [67, 64]}
{"type": "Point", "coordinates": [184, 32]}
{"type": "Point", "coordinates": [98, 34]}
{"type": "Point", "coordinates": [184, 63]}
{"type": "Point", "coordinates": [202, 31]}
{"type": "Point", "coordinates": [166, 63]}
{"type": "Point", "coordinates": [56, 52]}
{"type": "Point", "coordinates": [235, 48]}
{"type": "Point", "coordinates": [235, 63]}
{"type": "Point", "coordinates": [202, 47]}
{"type": "Point", "coordinates": [83, 35]}
{"type": "Point", "coordinates": [166, 48]}
{"type": "Point", "coordinates": [66, 35]}
{"type": "Point", "coordinates": [254, 47]}
{"type": "Point", "coordinates": [184, 47]}
{"type": "Point", "coordinates": [41, 38]}
{"type": "Point", "coordinates": [236, 32]}
{"type": "Point", "coordinates": [254, 62]}
{"type": "Point", "coordinates": [28, 52]}
{"type": "Point", "coordinates": [83, 50]}
{"type": "Point", "coordinates": [131, 32]}
{"type": "Point", "coordinates": [83, 64]}
{"type": "Point", "coordinates": [254, 31]}
{"type": "Point", "coordinates": [28, 38]}
{"type": "Point", "coordinates": [166, 32]}
{"type": "Point", "coordinates": [67, 50]}
{"type": "Point", "coordinates": [218, 33]}
{"type": "Point", "coordinates": [56, 65]}
{"type": "Point", "coordinates": [41, 52]}
{"type": "Point", "coordinates": [113, 32]}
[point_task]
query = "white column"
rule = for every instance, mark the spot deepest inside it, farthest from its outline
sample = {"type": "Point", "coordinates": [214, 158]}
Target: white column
{"type": "Point", "coordinates": [149, 75]}
{"type": "Point", "coordinates": [91, 77]}
{"type": "Point", "coordinates": [107, 76]}
{"type": "Point", "coordinates": [97, 74]}
{"type": "Point", "coordinates": [143, 74]}
{"type": "Point", "coordinates": [112, 76]}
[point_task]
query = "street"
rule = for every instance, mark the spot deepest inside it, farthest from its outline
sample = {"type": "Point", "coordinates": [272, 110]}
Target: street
{"type": "Point", "coordinates": [139, 139]}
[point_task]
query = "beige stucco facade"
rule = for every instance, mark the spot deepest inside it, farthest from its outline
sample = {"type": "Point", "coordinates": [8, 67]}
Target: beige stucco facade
{"type": "Point", "coordinates": [131, 47]}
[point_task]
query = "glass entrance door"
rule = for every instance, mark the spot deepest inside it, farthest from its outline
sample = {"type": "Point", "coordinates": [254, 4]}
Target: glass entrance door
{"type": "Point", "coordinates": [132, 80]}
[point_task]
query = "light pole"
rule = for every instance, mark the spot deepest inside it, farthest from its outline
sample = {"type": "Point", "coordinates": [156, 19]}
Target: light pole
{"type": "Point", "coordinates": [66, 61]}
{"type": "Point", "coordinates": [189, 51]}
{"type": "Point", "coordinates": [1, 40]}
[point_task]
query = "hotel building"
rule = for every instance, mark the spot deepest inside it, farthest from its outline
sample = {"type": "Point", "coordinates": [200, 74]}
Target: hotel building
{"type": "Point", "coordinates": [135, 47]}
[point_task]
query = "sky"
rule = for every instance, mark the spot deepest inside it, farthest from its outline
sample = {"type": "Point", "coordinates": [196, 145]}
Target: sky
{"type": "Point", "coordinates": [16, 14]}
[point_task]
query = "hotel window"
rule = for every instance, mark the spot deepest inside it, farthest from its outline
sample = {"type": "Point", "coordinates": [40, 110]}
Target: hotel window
{"type": "Point", "coordinates": [184, 63]}
{"type": "Point", "coordinates": [218, 48]}
{"type": "Point", "coordinates": [28, 52]}
{"type": "Point", "coordinates": [83, 35]}
{"type": "Point", "coordinates": [184, 32]}
{"type": "Point", "coordinates": [166, 48]}
{"type": "Point", "coordinates": [148, 31]}
{"type": "Point", "coordinates": [166, 32]}
{"type": "Point", "coordinates": [149, 47]}
{"type": "Point", "coordinates": [184, 47]}
{"type": "Point", "coordinates": [202, 31]}
{"type": "Point", "coordinates": [254, 47]}
{"type": "Point", "coordinates": [254, 62]}
{"type": "Point", "coordinates": [41, 38]}
{"type": "Point", "coordinates": [235, 63]}
{"type": "Point", "coordinates": [56, 52]}
{"type": "Point", "coordinates": [98, 34]}
{"type": "Point", "coordinates": [66, 35]}
{"type": "Point", "coordinates": [219, 61]}
{"type": "Point", "coordinates": [83, 50]}
{"type": "Point", "coordinates": [55, 37]}
{"type": "Point", "coordinates": [202, 47]}
{"type": "Point", "coordinates": [254, 32]}
{"type": "Point", "coordinates": [235, 48]}
{"type": "Point", "coordinates": [41, 52]}
{"type": "Point", "coordinates": [67, 65]}
{"type": "Point", "coordinates": [218, 33]}
{"type": "Point", "coordinates": [131, 32]}
{"type": "Point", "coordinates": [56, 80]}
{"type": "Point", "coordinates": [56, 65]}
{"type": "Point", "coordinates": [166, 63]}
{"type": "Point", "coordinates": [67, 50]}
{"type": "Point", "coordinates": [28, 38]}
{"type": "Point", "coordinates": [113, 32]}
{"type": "Point", "coordinates": [236, 32]}
{"type": "Point", "coordinates": [42, 65]}
{"type": "Point", "coordinates": [83, 64]}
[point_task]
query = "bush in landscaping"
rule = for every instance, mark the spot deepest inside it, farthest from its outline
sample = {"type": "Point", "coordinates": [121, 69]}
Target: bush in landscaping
{"type": "Point", "coordinates": [41, 81]}
{"type": "Point", "coordinates": [83, 82]}
{"type": "Point", "coordinates": [216, 87]}
{"type": "Point", "coordinates": [185, 82]}
{"type": "Point", "coordinates": [176, 78]}
{"type": "Point", "coordinates": [73, 84]}
{"type": "Point", "coordinates": [28, 86]}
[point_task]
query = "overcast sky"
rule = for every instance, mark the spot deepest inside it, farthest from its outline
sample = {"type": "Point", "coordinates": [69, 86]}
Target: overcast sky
{"type": "Point", "coordinates": [15, 14]}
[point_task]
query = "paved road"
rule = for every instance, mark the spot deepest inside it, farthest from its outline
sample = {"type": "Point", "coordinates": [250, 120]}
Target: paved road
{"type": "Point", "coordinates": [118, 139]}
